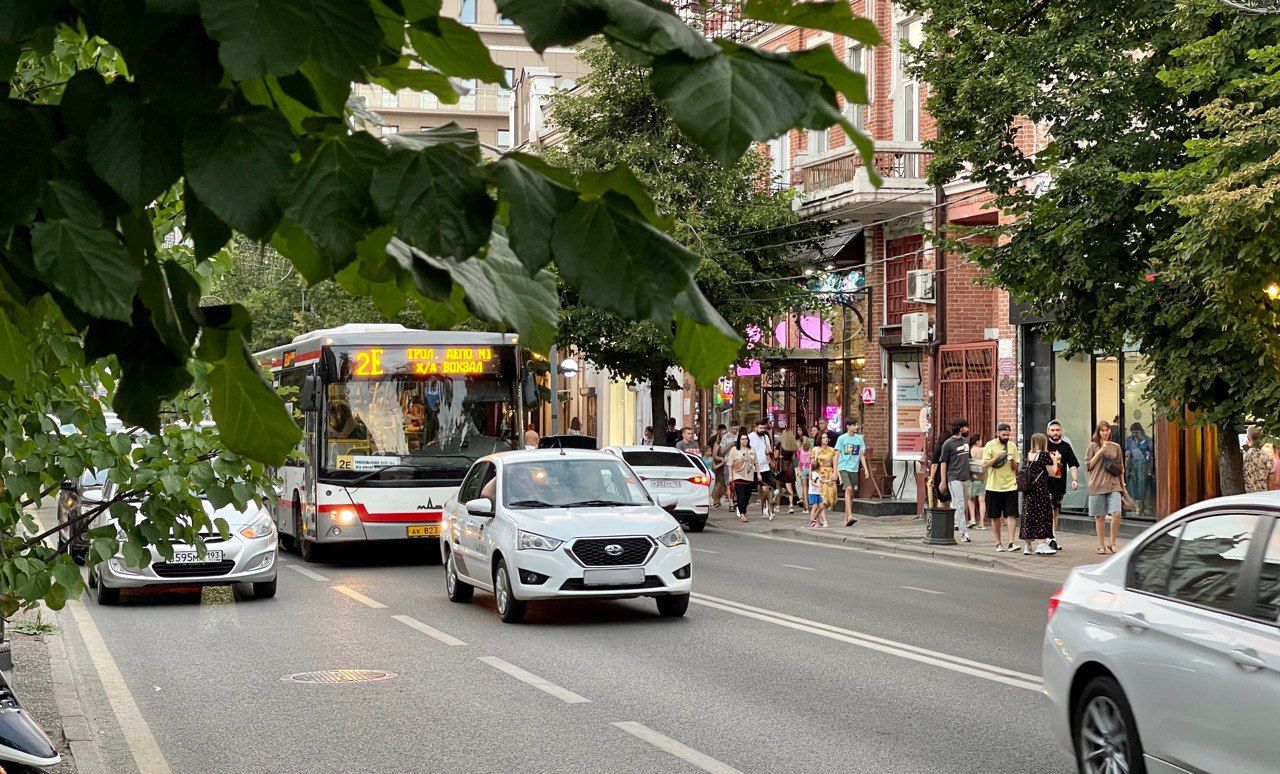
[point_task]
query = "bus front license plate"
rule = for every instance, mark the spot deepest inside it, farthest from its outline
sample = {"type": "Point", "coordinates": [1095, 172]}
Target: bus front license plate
{"type": "Point", "coordinates": [424, 530]}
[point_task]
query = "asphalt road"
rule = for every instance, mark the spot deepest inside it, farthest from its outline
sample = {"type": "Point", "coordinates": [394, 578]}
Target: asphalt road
{"type": "Point", "coordinates": [881, 664]}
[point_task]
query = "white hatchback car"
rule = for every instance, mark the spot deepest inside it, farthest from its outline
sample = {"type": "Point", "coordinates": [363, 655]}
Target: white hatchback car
{"type": "Point", "coordinates": [1166, 657]}
{"type": "Point", "coordinates": [665, 470]}
{"type": "Point", "coordinates": [557, 524]}
{"type": "Point", "coordinates": [248, 556]}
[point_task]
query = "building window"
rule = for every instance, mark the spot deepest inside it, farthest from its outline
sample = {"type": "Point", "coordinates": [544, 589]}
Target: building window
{"type": "Point", "coordinates": [504, 21]}
{"type": "Point", "coordinates": [817, 142]}
{"type": "Point", "coordinates": [504, 138]}
{"type": "Point", "coordinates": [901, 255]}
{"type": "Point", "coordinates": [389, 130]}
{"type": "Point", "coordinates": [423, 128]}
{"type": "Point", "coordinates": [428, 100]}
{"type": "Point", "coordinates": [907, 34]}
{"type": "Point", "coordinates": [467, 90]}
{"type": "Point", "coordinates": [779, 162]}
{"type": "Point", "coordinates": [856, 59]}
{"type": "Point", "coordinates": [467, 14]}
{"type": "Point", "coordinates": [389, 98]}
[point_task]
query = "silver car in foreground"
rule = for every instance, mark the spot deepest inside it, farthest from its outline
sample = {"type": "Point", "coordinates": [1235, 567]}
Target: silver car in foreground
{"type": "Point", "coordinates": [248, 556]}
{"type": "Point", "coordinates": [1166, 657]}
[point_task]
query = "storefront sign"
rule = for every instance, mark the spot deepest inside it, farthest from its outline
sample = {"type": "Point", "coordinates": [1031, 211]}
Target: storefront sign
{"type": "Point", "coordinates": [1006, 366]}
{"type": "Point", "coordinates": [832, 415]}
{"type": "Point", "coordinates": [868, 395]}
{"type": "Point", "coordinates": [908, 439]}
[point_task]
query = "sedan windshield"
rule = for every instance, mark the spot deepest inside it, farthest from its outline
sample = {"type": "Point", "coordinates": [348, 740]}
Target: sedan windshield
{"type": "Point", "coordinates": [570, 482]}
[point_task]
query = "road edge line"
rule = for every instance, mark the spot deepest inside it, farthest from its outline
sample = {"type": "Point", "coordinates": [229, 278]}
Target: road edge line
{"type": "Point", "coordinates": [137, 734]}
{"type": "Point", "coordinates": [85, 752]}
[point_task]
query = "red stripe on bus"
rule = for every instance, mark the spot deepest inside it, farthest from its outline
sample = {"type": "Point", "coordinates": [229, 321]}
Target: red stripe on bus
{"type": "Point", "coordinates": [394, 517]}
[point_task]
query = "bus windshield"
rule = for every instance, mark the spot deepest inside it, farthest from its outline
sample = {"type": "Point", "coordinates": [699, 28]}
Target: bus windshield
{"type": "Point", "coordinates": [402, 429]}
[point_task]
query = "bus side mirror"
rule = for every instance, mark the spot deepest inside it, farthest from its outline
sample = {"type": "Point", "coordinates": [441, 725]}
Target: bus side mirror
{"type": "Point", "coordinates": [529, 389]}
{"type": "Point", "coordinates": [309, 395]}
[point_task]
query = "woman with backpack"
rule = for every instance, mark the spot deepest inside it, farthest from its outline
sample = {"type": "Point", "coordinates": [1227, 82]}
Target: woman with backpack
{"type": "Point", "coordinates": [1105, 463]}
{"type": "Point", "coordinates": [1037, 500]}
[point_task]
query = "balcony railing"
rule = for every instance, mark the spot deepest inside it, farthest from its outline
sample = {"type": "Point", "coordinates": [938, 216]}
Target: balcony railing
{"type": "Point", "coordinates": [890, 163]}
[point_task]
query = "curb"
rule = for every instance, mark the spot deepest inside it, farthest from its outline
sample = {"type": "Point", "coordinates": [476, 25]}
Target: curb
{"type": "Point", "coordinates": [899, 547]}
{"type": "Point", "coordinates": [76, 728]}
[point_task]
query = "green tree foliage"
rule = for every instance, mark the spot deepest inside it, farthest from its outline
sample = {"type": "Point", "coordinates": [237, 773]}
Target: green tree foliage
{"type": "Point", "coordinates": [236, 110]}
{"type": "Point", "coordinates": [612, 121]}
{"type": "Point", "coordinates": [1120, 91]}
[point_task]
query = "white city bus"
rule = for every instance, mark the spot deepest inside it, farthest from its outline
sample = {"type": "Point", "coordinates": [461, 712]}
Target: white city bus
{"type": "Point", "coordinates": [392, 420]}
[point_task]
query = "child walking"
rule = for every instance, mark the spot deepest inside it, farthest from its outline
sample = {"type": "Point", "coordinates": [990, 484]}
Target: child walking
{"type": "Point", "coordinates": [817, 505]}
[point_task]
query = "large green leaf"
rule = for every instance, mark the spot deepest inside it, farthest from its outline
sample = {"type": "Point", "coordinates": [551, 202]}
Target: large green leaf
{"type": "Point", "coordinates": [257, 38]}
{"type": "Point", "coordinates": [822, 63]}
{"type": "Point", "coordinates": [401, 76]}
{"type": "Point", "coordinates": [135, 148]}
{"type": "Point", "coordinates": [328, 194]}
{"type": "Point", "coordinates": [251, 418]}
{"type": "Point", "coordinates": [532, 193]}
{"type": "Point", "coordinates": [435, 200]}
{"type": "Point", "coordinates": [630, 193]}
{"type": "Point", "coordinates": [499, 288]}
{"type": "Point", "coordinates": [619, 262]}
{"type": "Point", "coordinates": [88, 264]}
{"type": "Point", "coordinates": [234, 164]}
{"type": "Point", "coordinates": [466, 140]}
{"type": "Point", "coordinates": [346, 38]}
{"type": "Point", "coordinates": [25, 143]}
{"type": "Point", "coordinates": [19, 18]}
{"type": "Point", "coordinates": [207, 233]}
{"type": "Point", "coordinates": [649, 28]}
{"type": "Point", "coordinates": [14, 357]}
{"type": "Point", "coordinates": [454, 49]}
{"type": "Point", "coordinates": [739, 97]}
{"type": "Point", "coordinates": [832, 16]}
{"type": "Point", "coordinates": [704, 342]}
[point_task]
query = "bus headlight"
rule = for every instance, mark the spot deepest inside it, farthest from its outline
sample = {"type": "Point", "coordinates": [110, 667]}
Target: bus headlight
{"type": "Point", "coordinates": [346, 515]}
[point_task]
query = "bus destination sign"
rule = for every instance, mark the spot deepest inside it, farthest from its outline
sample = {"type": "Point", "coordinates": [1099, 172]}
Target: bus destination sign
{"type": "Point", "coordinates": [379, 362]}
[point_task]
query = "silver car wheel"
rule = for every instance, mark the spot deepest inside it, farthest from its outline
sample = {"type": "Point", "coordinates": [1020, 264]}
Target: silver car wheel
{"type": "Point", "coordinates": [504, 592]}
{"type": "Point", "coordinates": [450, 576]}
{"type": "Point", "coordinates": [1104, 739]}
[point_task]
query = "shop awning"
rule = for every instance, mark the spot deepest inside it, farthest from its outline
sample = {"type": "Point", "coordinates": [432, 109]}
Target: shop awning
{"type": "Point", "coordinates": [830, 247]}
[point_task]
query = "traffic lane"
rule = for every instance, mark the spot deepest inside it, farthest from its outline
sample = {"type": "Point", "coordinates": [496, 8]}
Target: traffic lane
{"type": "Point", "coordinates": [207, 679]}
{"type": "Point", "coordinates": [754, 694]}
{"type": "Point", "coordinates": [982, 615]}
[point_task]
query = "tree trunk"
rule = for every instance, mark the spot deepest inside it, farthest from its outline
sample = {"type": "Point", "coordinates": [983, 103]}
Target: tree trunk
{"type": "Point", "coordinates": [1230, 461]}
{"type": "Point", "coordinates": [658, 406]}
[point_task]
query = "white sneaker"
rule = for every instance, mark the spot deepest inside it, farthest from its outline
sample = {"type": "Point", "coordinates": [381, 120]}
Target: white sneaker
{"type": "Point", "coordinates": [1026, 549]}
{"type": "Point", "coordinates": [964, 538]}
{"type": "Point", "coordinates": [1046, 550]}
{"type": "Point", "coordinates": [1055, 545]}
{"type": "Point", "coordinates": [1000, 547]}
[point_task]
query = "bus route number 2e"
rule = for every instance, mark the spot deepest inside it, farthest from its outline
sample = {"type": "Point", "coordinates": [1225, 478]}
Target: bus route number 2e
{"type": "Point", "coordinates": [369, 362]}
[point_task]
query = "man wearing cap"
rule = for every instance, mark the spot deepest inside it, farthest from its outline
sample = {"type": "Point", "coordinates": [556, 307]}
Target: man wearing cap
{"type": "Point", "coordinates": [1067, 464]}
{"type": "Point", "coordinates": [1000, 460]}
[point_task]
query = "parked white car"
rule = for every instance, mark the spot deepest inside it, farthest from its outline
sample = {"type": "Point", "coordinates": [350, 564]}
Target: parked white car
{"type": "Point", "coordinates": [552, 524]}
{"type": "Point", "coordinates": [248, 556]}
{"type": "Point", "coordinates": [665, 470]}
{"type": "Point", "coordinates": [1166, 657]}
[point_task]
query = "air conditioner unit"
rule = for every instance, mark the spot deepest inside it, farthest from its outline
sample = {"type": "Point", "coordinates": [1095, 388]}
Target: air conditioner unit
{"type": "Point", "coordinates": [920, 286]}
{"type": "Point", "coordinates": [915, 328]}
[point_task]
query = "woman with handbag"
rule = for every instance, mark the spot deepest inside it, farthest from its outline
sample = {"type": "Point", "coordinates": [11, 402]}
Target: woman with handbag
{"type": "Point", "coordinates": [744, 473]}
{"type": "Point", "coordinates": [1105, 462]}
{"type": "Point", "coordinates": [1037, 500]}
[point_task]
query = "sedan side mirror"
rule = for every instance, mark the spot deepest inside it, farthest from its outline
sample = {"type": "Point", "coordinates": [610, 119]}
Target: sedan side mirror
{"type": "Point", "coordinates": [666, 502]}
{"type": "Point", "coordinates": [481, 506]}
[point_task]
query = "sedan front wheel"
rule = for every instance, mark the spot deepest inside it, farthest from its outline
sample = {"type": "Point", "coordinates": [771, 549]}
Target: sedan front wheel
{"type": "Point", "coordinates": [510, 609]}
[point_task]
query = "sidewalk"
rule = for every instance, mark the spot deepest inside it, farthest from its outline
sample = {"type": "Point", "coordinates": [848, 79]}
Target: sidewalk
{"type": "Point", "coordinates": [36, 685]}
{"type": "Point", "coordinates": [905, 535]}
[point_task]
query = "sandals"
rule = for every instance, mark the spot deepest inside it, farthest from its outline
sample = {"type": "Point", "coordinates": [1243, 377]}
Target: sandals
{"type": "Point", "coordinates": [1102, 550]}
{"type": "Point", "coordinates": [1112, 548]}
{"type": "Point", "coordinates": [742, 519]}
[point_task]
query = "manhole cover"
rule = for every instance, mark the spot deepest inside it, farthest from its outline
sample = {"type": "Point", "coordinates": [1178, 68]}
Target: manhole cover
{"type": "Point", "coordinates": [341, 676]}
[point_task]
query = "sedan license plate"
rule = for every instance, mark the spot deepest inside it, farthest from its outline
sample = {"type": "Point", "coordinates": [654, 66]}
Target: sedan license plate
{"type": "Point", "coordinates": [659, 483]}
{"type": "Point", "coordinates": [619, 576]}
{"type": "Point", "coordinates": [192, 557]}
{"type": "Point", "coordinates": [423, 530]}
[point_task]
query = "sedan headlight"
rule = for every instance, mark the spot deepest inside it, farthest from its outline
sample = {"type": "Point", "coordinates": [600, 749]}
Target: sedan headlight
{"type": "Point", "coordinates": [674, 538]}
{"type": "Point", "coordinates": [260, 528]}
{"type": "Point", "coordinates": [530, 541]}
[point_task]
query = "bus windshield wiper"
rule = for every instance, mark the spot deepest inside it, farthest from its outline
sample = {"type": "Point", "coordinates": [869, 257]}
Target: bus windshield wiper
{"type": "Point", "coordinates": [531, 504]}
{"type": "Point", "coordinates": [372, 473]}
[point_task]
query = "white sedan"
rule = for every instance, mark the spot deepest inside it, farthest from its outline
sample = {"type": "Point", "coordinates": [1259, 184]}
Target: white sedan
{"type": "Point", "coordinates": [1166, 657]}
{"type": "Point", "coordinates": [665, 470]}
{"type": "Point", "coordinates": [558, 524]}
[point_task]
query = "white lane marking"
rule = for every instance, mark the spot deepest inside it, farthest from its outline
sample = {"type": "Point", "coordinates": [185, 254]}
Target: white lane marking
{"type": "Point", "coordinates": [681, 751]}
{"type": "Point", "coordinates": [705, 551]}
{"type": "Point", "coordinates": [357, 596]}
{"type": "Point", "coordinates": [798, 567]}
{"type": "Point", "coordinates": [308, 573]}
{"type": "Point", "coordinates": [430, 631]}
{"type": "Point", "coordinates": [563, 694]}
{"type": "Point", "coordinates": [926, 591]}
{"type": "Point", "coordinates": [137, 734]}
{"type": "Point", "coordinates": [871, 642]}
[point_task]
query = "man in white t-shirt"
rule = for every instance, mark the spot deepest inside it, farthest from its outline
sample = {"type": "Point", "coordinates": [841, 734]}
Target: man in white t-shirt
{"type": "Point", "coordinates": [762, 444]}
